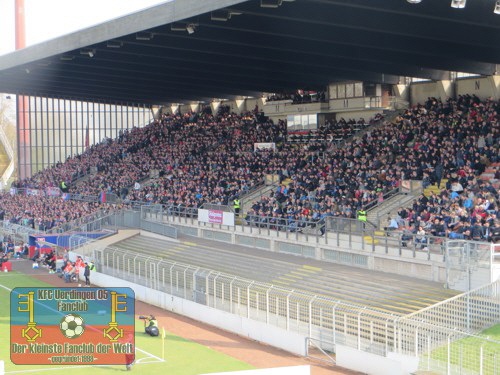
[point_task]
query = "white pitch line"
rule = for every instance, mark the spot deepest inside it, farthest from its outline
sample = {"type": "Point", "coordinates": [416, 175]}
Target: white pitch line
{"type": "Point", "coordinates": [149, 354]}
{"type": "Point", "coordinates": [2, 275]}
{"type": "Point", "coordinates": [3, 286]}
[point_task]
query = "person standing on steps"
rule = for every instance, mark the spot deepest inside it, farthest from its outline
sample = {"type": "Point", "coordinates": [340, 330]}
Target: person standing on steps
{"type": "Point", "coordinates": [236, 206]}
{"type": "Point", "coordinates": [438, 173]}
{"type": "Point", "coordinates": [362, 218]}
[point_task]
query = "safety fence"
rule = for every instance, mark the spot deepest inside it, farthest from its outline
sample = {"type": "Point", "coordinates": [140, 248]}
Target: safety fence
{"type": "Point", "coordinates": [461, 258]}
{"type": "Point", "coordinates": [82, 231]}
{"type": "Point", "coordinates": [436, 335]}
{"type": "Point", "coordinates": [446, 337]}
{"type": "Point", "coordinates": [326, 320]}
{"type": "Point", "coordinates": [445, 351]}
{"type": "Point", "coordinates": [470, 312]}
{"type": "Point", "coordinates": [450, 338]}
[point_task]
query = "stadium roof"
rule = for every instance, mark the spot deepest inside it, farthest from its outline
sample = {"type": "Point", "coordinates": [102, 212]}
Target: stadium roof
{"type": "Point", "coordinates": [187, 50]}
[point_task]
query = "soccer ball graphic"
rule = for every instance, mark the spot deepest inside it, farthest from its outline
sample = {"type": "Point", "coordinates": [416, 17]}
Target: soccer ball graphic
{"type": "Point", "coordinates": [72, 326]}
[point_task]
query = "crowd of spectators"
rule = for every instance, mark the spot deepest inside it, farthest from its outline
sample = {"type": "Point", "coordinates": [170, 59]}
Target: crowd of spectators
{"type": "Point", "coordinates": [205, 158]}
{"type": "Point", "coordinates": [455, 140]}
{"type": "Point", "coordinates": [469, 213]}
{"type": "Point", "coordinates": [326, 135]}
{"type": "Point", "coordinates": [200, 158]}
{"type": "Point", "coordinates": [299, 97]}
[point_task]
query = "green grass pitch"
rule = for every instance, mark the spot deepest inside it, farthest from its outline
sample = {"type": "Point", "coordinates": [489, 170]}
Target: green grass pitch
{"type": "Point", "coordinates": [465, 353]}
{"type": "Point", "coordinates": [182, 357]}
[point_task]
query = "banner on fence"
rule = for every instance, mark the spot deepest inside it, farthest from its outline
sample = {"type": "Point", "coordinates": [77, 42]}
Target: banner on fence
{"type": "Point", "coordinates": [33, 192]}
{"type": "Point", "coordinates": [53, 191]}
{"type": "Point", "coordinates": [406, 185]}
{"type": "Point", "coordinates": [260, 146]}
{"type": "Point", "coordinates": [216, 217]}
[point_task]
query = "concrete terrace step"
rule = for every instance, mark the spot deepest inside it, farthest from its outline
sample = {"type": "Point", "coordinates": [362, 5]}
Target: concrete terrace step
{"type": "Point", "coordinates": [345, 283]}
{"type": "Point", "coordinates": [301, 278]}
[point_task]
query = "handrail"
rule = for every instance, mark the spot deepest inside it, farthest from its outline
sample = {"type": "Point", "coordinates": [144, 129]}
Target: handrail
{"type": "Point", "coordinates": [251, 190]}
{"type": "Point", "coordinates": [377, 123]}
{"type": "Point", "coordinates": [375, 203]}
{"type": "Point", "coordinates": [266, 221]}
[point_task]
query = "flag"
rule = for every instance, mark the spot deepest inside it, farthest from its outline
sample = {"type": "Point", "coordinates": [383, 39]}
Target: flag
{"type": "Point", "coordinates": [66, 196]}
{"type": "Point", "coordinates": [163, 336]}
{"type": "Point", "coordinates": [102, 197]}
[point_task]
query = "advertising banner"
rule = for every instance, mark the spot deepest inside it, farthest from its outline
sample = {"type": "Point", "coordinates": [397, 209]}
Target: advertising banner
{"type": "Point", "coordinates": [261, 146]}
{"type": "Point", "coordinates": [33, 192]}
{"type": "Point", "coordinates": [216, 217]}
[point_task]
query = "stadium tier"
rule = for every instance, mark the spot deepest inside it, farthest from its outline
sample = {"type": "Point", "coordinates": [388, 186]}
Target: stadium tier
{"type": "Point", "coordinates": [199, 158]}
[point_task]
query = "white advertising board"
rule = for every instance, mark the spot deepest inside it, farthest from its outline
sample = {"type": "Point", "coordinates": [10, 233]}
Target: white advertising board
{"type": "Point", "coordinates": [216, 217]}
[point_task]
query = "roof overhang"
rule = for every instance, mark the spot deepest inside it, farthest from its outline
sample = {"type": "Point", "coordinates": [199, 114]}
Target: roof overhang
{"type": "Point", "coordinates": [192, 50]}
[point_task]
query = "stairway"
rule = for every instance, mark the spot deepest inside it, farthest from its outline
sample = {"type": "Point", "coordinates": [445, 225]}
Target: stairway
{"type": "Point", "coordinates": [489, 174]}
{"type": "Point", "coordinates": [248, 200]}
{"type": "Point", "coordinates": [389, 116]}
{"type": "Point", "coordinates": [378, 215]}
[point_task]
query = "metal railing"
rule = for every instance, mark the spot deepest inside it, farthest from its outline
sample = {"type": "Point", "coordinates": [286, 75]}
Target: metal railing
{"type": "Point", "coordinates": [337, 231]}
{"type": "Point", "coordinates": [326, 320]}
{"type": "Point", "coordinates": [399, 199]}
{"type": "Point", "coordinates": [433, 335]}
{"type": "Point", "coordinates": [470, 312]}
{"type": "Point", "coordinates": [444, 337]}
{"type": "Point", "coordinates": [447, 336]}
{"type": "Point", "coordinates": [468, 355]}
{"type": "Point", "coordinates": [375, 203]}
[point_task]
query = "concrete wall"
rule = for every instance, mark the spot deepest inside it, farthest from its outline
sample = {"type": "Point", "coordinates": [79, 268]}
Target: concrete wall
{"type": "Point", "coordinates": [345, 252]}
{"type": "Point", "coordinates": [341, 250]}
{"type": "Point", "coordinates": [483, 87]}
{"type": "Point", "coordinates": [289, 341]}
{"type": "Point", "coordinates": [373, 364]}
{"type": "Point", "coordinates": [420, 91]}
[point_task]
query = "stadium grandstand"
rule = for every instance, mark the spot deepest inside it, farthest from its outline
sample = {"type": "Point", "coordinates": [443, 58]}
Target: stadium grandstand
{"type": "Point", "coordinates": [326, 169]}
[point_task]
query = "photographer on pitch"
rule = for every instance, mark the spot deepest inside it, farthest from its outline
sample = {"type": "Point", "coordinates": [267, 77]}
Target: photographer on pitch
{"type": "Point", "coordinates": [151, 328]}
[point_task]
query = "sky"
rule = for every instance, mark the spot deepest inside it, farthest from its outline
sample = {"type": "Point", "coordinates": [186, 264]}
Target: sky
{"type": "Point", "coordinates": [48, 19]}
